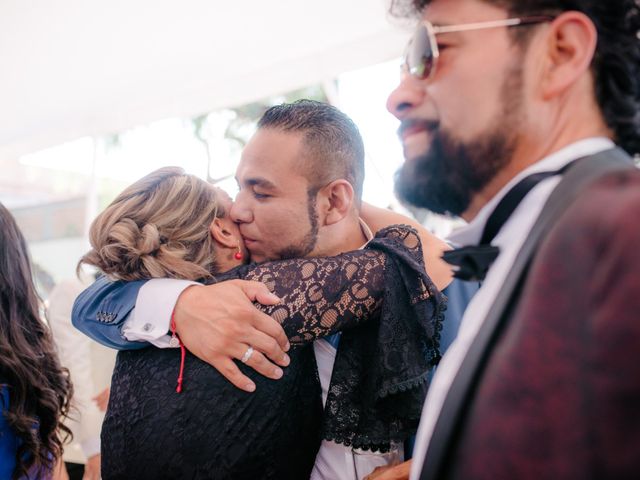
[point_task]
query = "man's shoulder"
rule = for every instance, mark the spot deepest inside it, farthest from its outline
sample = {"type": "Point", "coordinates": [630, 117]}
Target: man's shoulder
{"type": "Point", "coordinates": [599, 228]}
{"type": "Point", "coordinates": [608, 205]}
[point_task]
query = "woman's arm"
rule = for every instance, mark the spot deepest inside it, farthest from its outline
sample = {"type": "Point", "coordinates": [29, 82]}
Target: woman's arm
{"type": "Point", "coordinates": [321, 296]}
{"type": "Point", "coordinates": [432, 247]}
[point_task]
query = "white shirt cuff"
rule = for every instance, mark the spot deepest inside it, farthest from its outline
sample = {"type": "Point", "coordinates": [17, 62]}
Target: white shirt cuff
{"type": "Point", "coordinates": [151, 318]}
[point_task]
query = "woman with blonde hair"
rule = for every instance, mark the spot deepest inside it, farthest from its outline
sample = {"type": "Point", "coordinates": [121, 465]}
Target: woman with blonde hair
{"type": "Point", "coordinates": [167, 224]}
{"type": "Point", "coordinates": [34, 388]}
{"type": "Point", "coordinates": [170, 224]}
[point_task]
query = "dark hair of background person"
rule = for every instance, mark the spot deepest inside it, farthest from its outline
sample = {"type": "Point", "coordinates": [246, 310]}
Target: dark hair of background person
{"type": "Point", "coordinates": [616, 63]}
{"type": "Point", "coordinates": [39, 388]}
{"type": "Point", "coordinates": [332, 142]}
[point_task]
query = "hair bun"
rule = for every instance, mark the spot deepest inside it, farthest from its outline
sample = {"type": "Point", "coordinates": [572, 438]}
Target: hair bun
{"type": "Point", "coordinates": [149, 240]}
{"type": "Point", "coordinates": [157, 228]}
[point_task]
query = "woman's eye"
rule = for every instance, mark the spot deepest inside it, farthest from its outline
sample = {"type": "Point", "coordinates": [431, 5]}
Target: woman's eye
{"type": "Point", "coordinates": [260, 196]}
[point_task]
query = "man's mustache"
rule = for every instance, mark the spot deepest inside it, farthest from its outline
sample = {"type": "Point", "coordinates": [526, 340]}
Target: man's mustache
{"type": "Point", "coordinates": [409, 126]}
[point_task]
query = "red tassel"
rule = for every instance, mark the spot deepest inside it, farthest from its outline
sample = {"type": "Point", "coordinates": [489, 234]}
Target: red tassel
{"type": "Point", "coordinates": [182, 353]}
{"type": "Point", "coordinates": [180, 375]}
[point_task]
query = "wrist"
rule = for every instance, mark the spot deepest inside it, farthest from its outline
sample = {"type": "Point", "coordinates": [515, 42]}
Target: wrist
{"type": "Point", "coordinates": [186, 298]}
{"type": "Point", "coordinates": [156, 301]}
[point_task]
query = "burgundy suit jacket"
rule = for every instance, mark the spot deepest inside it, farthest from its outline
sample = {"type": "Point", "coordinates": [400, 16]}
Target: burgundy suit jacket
{"type": "Point", "coordinates": [556, 393]}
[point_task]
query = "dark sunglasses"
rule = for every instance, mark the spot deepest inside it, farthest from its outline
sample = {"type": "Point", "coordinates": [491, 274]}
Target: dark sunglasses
{"type": "Point", "coordinates": [422, 51]}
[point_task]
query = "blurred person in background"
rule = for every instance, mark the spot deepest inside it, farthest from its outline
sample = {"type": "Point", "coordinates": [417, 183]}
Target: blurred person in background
{"type": "Point", "coordinates": [34, 388]}
{"type": "Point", "coordinates": [90, 366]}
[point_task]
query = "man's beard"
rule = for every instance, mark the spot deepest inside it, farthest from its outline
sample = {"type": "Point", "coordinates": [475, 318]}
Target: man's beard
{"type": "Point", "coordinates": [445, 178]}
{"type": "Point", "coordinates": [305, 246]}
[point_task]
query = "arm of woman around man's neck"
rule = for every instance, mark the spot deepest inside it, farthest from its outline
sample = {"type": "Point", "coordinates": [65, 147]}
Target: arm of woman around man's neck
{"type": "Point", "coordinates": [438, 270]}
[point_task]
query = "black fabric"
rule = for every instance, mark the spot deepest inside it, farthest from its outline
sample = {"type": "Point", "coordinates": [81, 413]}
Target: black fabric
{"type": "Point", "coordinates": [471, 262]}
{"type": "Point", "coordinates": [382, 300]}
{"type": "Point", "coordinates": [510, 202]}
{"type": "Point", "coordinates": [211, 430]}
{"type": "Point", "coordinates": [74, 470]}
{"type": "Point", "coordinates": [379, 380]}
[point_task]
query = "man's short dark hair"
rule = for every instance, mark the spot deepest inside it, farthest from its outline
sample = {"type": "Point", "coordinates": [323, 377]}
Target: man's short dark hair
{"type": "Point", "coordinates": [616, 64]}
{"type": "Point", "coordinates": [333, 145]}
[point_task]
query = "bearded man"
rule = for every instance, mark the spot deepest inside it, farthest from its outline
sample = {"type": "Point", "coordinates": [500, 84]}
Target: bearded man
{"type": "Point", "coordinates": [520, 116]}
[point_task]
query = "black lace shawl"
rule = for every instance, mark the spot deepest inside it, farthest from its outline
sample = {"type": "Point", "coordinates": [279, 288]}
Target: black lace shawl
{"type": "Point", "coordinates": [391, 317]}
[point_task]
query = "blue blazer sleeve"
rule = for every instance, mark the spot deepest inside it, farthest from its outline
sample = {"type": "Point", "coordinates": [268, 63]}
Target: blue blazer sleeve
{"type": "Point", "coordinates": [101, 310]}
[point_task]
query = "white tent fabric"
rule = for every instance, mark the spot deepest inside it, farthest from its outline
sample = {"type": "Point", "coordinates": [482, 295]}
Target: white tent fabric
{"type": "Point", "coordinates": [72, 68]}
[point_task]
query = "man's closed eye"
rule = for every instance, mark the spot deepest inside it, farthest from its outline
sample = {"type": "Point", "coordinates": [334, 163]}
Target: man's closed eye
{"type": "Point", "coordinates": [260, 196]}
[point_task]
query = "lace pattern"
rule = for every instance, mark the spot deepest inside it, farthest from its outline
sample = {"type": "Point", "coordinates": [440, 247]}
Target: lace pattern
{"type": "Point", "coordinates": [391, 314]}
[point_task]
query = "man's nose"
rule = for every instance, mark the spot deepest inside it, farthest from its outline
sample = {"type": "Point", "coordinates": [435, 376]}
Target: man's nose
{"type": "Point", "coordinates": [409, 93]}
{"type": "Point", "coordinates": [240, 213]}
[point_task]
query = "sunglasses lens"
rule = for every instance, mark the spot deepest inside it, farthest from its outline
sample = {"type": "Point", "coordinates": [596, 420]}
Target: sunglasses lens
{"type": "Point", "coordinates": [419, 58]}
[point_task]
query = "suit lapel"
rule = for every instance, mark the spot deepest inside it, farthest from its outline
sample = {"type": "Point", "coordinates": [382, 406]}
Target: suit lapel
{"type": "Point", "coordinates": [451, 418]}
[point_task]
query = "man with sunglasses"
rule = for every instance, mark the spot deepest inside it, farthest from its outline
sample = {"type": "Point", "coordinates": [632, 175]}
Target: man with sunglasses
{"type": "Point", "coordinates": [520, 116]}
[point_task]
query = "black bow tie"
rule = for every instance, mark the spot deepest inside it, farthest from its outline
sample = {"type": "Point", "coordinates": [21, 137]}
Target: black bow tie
{"type": "Point", "coordinates": [472, 262]}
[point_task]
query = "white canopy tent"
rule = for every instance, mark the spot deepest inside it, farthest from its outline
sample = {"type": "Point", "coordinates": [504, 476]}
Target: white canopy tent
{"type": "Point", "coordinates": [72, 68]}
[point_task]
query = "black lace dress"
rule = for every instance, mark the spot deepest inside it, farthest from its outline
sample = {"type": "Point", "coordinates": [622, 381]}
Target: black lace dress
{"type": "Point", "coordinates": [390, 314]}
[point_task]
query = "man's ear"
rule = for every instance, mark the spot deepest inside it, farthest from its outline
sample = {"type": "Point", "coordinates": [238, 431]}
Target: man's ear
{"type": "Point", "coordinates": [335, 201]}
{"type": "Point", "coordinates": [222, 235]}
{"type": "Point", "coordinates": [570, 47]}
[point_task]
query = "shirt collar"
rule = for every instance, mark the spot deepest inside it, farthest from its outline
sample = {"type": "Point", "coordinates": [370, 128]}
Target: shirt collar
{"type": "Point", "coordinates": [470, 234]}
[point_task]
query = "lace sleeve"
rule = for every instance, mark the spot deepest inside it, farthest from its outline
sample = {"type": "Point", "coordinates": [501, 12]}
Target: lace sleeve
{"type": "Point", "coordinates": [391, 316]}
{"type": "Point", "coordinates": [321, 296]}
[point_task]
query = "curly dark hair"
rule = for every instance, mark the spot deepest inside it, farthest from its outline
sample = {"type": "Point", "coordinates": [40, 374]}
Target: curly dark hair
{"type": "Point", "coordinates": [39, 388]}
{"type": "Point", "coordinates": [616, 63]}
{"type": "Point", "coordinates": [331, 138]}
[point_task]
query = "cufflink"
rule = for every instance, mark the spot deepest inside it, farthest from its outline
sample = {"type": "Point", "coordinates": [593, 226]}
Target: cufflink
{"type": "Point", "coordinates": [106, 317]}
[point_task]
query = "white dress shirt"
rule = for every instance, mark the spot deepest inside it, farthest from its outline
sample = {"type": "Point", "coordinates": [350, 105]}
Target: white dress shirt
{"type": "Point", "coordinates": [149, 322]}
{"type": "Point", "coordinates": [510, 239]}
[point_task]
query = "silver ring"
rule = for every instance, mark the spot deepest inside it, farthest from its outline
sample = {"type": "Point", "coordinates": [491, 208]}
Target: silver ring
{"type": "Point", "coordinates": [247, 355]}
